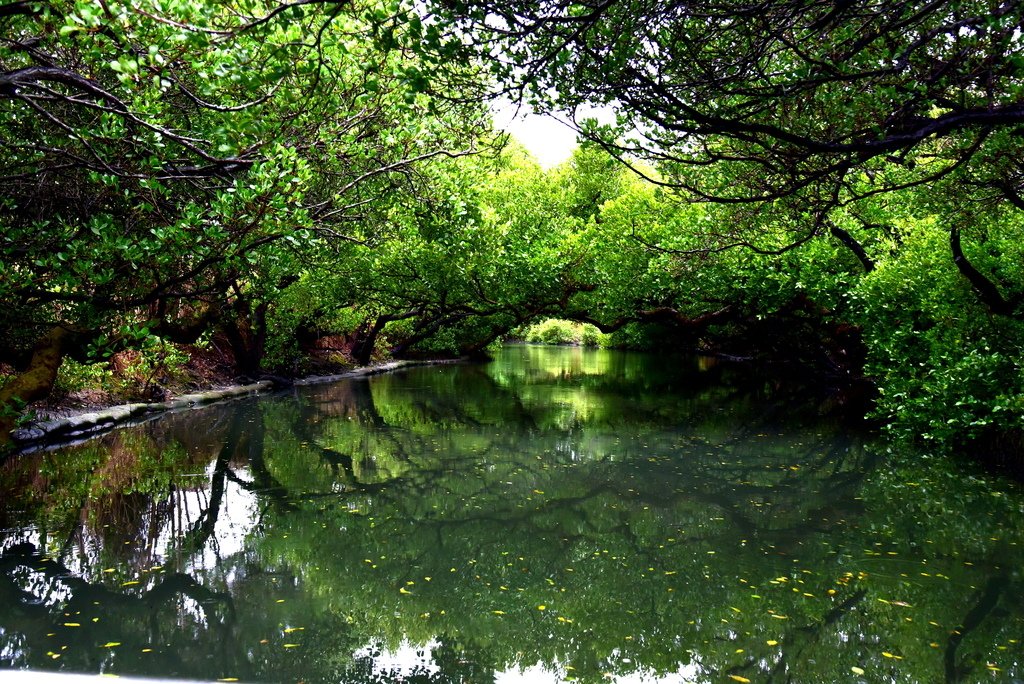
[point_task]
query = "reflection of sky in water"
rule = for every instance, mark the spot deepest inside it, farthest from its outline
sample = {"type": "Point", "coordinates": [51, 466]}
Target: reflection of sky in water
{"type": "Point", "coordinates": [237, 516]}
{"type": "Point", "coordinates": [408, 661]}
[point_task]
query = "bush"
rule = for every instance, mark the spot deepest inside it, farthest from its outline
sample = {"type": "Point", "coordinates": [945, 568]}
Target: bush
{"type": "Point", "coordinates": [590, 336]}
{"type": "Point", "coordinates": [557, 331]}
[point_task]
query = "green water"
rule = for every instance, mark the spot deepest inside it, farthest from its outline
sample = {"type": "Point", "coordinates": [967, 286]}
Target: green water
{"type": "Point", "coordinates": [557, 515]}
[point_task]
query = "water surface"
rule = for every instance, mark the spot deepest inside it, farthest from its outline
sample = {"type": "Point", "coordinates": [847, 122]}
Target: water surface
{"type": "Point", "coordinates": [557, 515]}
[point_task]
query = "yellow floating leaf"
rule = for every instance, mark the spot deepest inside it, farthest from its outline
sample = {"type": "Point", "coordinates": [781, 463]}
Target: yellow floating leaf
{"type": "Point", "coordinates": [780, 617]}
{"type": "Point", "coordinates": [403, 590]}
{"type": "Point", "coordinates": [111, 644]}
{"type": "Point", "coordinates": [147, 650]}
{"type": "Point", "coordinates": [72, 624]}
{"type": "Point", "coordinates": [293, 629]}
{"type": "Point", "coordinates": [498, 612]}
{"type": "Point", "coordinates": [129, 583]}
{"type": "Point", "coordinates": [542, 607]}
{"type": "Point", "coordinates": [228, 679]}
{"type": "Point", "coordinates": [279, 601]}
{"type": "Point", "coordinates": [737, 678]}
{"type": "Point", "coordinates": [857, 670]}
{"type": "Point", "coordinates": [772, 642]}
{"type": "Point", "coordinates": [291, 645]}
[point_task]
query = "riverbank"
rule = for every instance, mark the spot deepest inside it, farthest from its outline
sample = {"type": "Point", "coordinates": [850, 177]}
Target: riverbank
{"type": "Point", "coordinates": [62, 425]}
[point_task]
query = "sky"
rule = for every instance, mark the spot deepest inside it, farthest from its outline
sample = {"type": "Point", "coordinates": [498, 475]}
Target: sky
{"type": "Point", "coordinates": [547, 138]}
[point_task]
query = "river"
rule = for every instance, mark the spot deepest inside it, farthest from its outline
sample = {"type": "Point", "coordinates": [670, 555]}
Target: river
{"type": "Point", "coordinates": [559, 514]}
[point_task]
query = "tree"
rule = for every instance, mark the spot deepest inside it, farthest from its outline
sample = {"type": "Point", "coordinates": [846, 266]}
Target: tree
{"type": "Point", "coordinates": [168, 169]}
{"type": "Point", "coordinates": [831, 102]}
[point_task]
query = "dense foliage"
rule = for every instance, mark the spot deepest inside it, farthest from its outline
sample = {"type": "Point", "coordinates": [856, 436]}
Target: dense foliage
{"type": "Point", "coordinates": [830, 186]}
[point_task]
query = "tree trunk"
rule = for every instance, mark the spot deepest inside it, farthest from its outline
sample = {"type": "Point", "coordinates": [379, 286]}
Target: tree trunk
{"type": "Point", "coordinates": [35, 382]}
{"type": "Point", "coordinates": [362, 351]}
{"type": "Point", "coordinates": [987, 291]}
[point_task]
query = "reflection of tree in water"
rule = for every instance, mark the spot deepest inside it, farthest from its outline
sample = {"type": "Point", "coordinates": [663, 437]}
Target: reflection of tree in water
{"type": "Point", "coordinates": [696, 528]}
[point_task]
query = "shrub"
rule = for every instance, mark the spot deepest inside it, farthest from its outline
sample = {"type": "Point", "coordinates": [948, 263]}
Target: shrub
{"type": "Point", "coordinates": [557, 331]}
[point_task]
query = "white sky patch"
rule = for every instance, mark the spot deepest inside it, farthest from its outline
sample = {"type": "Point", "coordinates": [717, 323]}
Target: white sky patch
{"type": "Point", "coordinates": [549, 140]}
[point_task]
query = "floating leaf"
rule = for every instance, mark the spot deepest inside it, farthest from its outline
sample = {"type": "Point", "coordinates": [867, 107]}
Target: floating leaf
{"type": "Point", "coordinates": [498, 612]}
{"type": "Point", "coordinates": [738, 678]}
{"type": "Point", "coordinates": [772, 642]}
{"type": "Point", "coordinates": [857, 670]}
{"type": "Point", "coordinates": [72, 624]}
{"type": "Point", "coordinates": [542, 607]}
{"type": "Point", "coordinates": [111, 644]}
{"type": "Point", "coordinates": [291, 645]}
